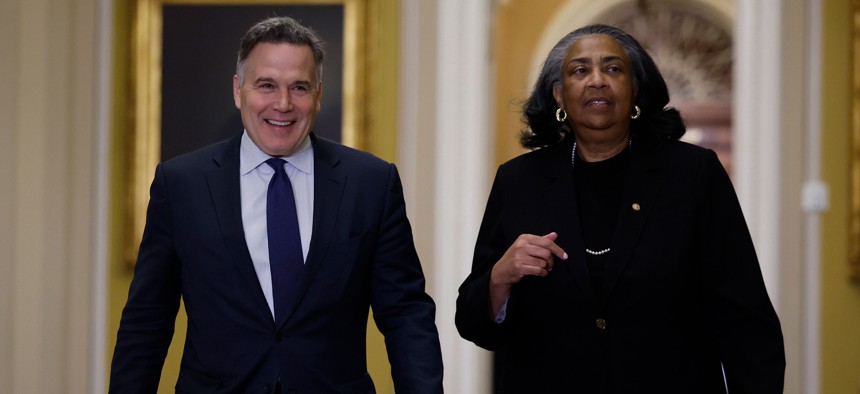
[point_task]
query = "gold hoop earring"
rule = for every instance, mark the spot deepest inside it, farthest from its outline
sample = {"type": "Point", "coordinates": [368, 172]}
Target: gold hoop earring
{"type": "Point", "coordinates": [560, 115]}
{"type": "Point", "coordinates": [638, 113]}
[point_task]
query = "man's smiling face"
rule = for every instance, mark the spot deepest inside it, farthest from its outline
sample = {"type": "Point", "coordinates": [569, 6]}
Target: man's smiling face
{"type": "Point", "coordinates": [278, 95]}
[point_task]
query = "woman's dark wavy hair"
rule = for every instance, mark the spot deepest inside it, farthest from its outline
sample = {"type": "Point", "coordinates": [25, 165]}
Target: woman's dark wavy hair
{"type": "Point", "coordinates": [656, 121]}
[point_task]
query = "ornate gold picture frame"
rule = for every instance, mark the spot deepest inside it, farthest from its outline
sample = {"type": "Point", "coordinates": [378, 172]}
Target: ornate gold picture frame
{"type": "Point", "coordinates": [145, 90]}
{"type": "Point", "coordinates": [854, 241]}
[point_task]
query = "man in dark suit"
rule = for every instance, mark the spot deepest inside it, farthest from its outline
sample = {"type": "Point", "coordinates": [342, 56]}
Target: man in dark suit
{"type": "Point", "coordinates": [278, 242]}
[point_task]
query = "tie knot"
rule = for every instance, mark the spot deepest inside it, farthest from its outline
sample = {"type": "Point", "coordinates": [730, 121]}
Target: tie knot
{"type": "Point", "coordinates": [276, 164]}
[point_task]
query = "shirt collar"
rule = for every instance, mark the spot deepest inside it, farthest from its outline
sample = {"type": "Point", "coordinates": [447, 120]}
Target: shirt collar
{"type": "Point", "coordinates": [250, 156]}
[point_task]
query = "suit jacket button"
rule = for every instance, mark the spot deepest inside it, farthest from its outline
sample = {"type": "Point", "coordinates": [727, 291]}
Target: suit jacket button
{"type": "Point", "coordinates": [267, 388]}
{"type": "Point", "coordinates": [600, 323]}
{"type": "Point", "coordinates": [279, 337]}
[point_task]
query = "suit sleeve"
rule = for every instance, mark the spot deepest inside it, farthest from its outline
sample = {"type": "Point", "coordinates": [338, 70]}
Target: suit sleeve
{"type": "Point", "coordinates": [751, 342]}
{"type": "Point", "coordinates": [147, 323]}
{"type": "Point", "coordinates": [473, 305]}
{"type": "Point", "coordinates": [403, 311]}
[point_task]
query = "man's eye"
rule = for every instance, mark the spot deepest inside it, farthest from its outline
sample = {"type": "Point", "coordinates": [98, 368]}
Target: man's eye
{"type": "Point", "coordinates": [299, 89]}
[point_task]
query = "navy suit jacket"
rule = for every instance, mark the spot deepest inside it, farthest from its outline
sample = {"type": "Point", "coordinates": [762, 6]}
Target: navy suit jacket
{"type": "Point", "coordinates": [682, 296]}
{"type": "Point", "coordinates": [361, 255]}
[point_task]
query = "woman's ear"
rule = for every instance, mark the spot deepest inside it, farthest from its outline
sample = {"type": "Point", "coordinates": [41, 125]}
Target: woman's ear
{"type": "Point", "coordinates": [635, 90]}
{"type": "Point", "coordinates": [556, 93]}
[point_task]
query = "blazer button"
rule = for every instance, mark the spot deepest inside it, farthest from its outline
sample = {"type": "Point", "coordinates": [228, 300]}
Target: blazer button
{"type": "Point", "coordinates": [279, 337]}
{"type": "Point", "coordinates": [267, 388]}
{"type": "Point", "coordinates": [600, 323]}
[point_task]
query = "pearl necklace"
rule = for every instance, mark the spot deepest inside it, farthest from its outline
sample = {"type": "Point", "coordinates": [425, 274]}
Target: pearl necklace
{"type": "Point", "coordinates": [572, 161]}
{"type": "Point", "coordinates": [573, 152]}
{"type": "Point", "coordinates": [597, 252]}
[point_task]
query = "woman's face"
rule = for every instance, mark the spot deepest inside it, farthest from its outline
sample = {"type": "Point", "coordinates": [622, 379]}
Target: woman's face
{"type": "Point", "coordinates": [597, 86]}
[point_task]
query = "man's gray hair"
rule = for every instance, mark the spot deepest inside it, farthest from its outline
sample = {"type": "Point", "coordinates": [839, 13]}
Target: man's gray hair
{"type": "Point", "coordinates": [280, 30]}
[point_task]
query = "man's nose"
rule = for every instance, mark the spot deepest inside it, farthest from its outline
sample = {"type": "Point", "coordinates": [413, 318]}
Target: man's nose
{"type": "Point", "coordinates": [283, 102]}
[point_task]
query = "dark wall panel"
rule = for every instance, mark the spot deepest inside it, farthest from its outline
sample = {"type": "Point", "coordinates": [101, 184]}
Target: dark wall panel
{"type": "Point", "coordinates": [200, 44]}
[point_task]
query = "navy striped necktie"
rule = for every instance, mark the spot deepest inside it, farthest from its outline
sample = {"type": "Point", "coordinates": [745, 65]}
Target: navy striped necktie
{"type": "Point", "coordinates": [285, 243]}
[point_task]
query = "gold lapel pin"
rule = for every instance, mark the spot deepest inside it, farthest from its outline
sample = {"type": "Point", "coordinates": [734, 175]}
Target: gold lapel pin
{"type": "Point", "coordinates": [636, 206]}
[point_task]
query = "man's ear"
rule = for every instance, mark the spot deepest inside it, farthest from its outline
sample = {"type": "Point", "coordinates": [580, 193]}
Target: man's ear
{"type": "Point", "coordinates": [319, 95]}
{"type": "Point", "coordinates": [237, 98]}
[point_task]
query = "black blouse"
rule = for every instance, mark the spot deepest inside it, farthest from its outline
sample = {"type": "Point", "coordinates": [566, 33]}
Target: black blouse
{"type": "Point", "coordinates": [598, 191]}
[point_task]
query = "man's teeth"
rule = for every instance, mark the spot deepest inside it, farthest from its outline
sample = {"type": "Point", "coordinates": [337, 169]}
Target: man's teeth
{"type": "Point", "coordinates": [276, 123]}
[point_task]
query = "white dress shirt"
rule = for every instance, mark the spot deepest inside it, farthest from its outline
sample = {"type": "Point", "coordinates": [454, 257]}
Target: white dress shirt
{"type": "Point", "coordinates": [254, 177]}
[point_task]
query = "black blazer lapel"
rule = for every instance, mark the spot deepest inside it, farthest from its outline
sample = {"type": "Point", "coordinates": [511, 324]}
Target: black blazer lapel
{"type": "Point", "coordinates": [643, 184]}
{"type": "Point", "coordinates": [224, 189]}
{"type": "Point", "coordinates": [328, 190]}
{"type": "Point", "coordinates": [561, 193]}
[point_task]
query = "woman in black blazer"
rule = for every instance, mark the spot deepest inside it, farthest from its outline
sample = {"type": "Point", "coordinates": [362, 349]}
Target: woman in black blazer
{"type": "Point", "coordinates": [614, 258]}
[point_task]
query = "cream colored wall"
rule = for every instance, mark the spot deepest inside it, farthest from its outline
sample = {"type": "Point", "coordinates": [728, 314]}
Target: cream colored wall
{"type": "Point", "coordinates": [47, 213]}
{"type": "Point", "coordinates": [840, 298]}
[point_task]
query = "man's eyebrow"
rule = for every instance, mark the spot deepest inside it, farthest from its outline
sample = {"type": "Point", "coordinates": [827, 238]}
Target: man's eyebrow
{"type": "Point", "coordinates": [264, 79]}
{"type": "Point", "coordinates": [272, 80]}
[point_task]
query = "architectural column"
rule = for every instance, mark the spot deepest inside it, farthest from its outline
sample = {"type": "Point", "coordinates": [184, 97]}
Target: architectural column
{"type": "Point", "coordinates": [774, 116]}
{"type": "Point", "coordinates": [758, 127]}
{"type": "Point", "coordinates": [50, 157]}
{"type": "Point", "coordinates": [810, 316]}
{"type": "Point", "coordinates": [444, 154]}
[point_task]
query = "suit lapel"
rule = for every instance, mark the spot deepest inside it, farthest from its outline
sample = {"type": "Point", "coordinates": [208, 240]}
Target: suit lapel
{"type": "Point", "coordinates": [329, 184]}
{"type": "Point", "coordinates": [561, 194]}
{"type": "Point", "coordinates": [642, 185]}
{"type": "Point", "coordinates": [224, 189]}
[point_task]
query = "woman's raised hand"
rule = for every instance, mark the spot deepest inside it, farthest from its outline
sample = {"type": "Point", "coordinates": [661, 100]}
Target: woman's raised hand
{"type": "Point", "coordinates": [528, 255]}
